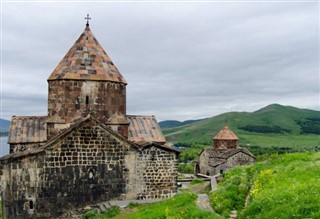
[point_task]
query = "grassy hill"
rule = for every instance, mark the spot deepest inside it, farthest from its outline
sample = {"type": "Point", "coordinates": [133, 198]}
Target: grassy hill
{"type": "Point", "coordinates": [281, 186]}
{"type": "Point", "coordinates": [175, 123]}
{"type": "Point", "coordinates": [274, 125]}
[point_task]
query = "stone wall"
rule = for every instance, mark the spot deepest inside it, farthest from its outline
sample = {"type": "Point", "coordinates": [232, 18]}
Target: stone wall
{"type": "Point", "coordinates": [87, 165]}
{"type": "Point", "coordinates": [239, 159]}
{"type": "Point", "coordinates": [204, 162]}
{"type": "Point", "coordinates": [69, 100]}
{"type": "Point", "coordinates": [158, 171]}
{"type": "Point", "coordinates": [231, 144]}
{"type": "Point", "coordinates": [20, 183]}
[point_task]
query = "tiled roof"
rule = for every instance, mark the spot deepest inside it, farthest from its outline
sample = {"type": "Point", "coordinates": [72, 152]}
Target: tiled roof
{"type": "Point", "coordinates": [144, 129]}
{"type": "Point", "coordinates": [225, 134]}
{"type": "Point", "coordinates": [145, 145]}
{"type": "Point", "coordinates": [67, 131]}
{"type": "Point", "coordinates": [60, 136]}
{"type": "Point", "coordinates": [28, 129]}
{"type": "Point", "coordinates": [224, 154]}
{"type": "Point", "coordinates": [86, 60]}
{"type": "Point", "coordinates": [215, 163]}
{"type": "Point", "coordinates": [117, 118]}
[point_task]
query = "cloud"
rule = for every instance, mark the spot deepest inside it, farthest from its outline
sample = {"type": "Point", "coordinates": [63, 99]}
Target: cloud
{"type": "Point", "coordinates": [181, 60]}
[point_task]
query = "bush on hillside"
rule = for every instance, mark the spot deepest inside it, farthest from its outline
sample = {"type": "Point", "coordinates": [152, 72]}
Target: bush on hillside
{"type": "Point", "coordinates": [264, 129]}
{"type": "Point", "coordinates": [310, 126]}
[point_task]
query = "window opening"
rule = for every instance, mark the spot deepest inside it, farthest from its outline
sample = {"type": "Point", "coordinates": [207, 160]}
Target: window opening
{"type": "Point", "coordinates": [31, 204]}
{"type": "Point", "coordinates": [87, 100]}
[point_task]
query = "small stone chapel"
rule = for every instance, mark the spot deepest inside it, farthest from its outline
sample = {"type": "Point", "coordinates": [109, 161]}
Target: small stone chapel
{"type": "Point", "coordinates": [223, 155]}
{"type": "Point", "coordinates": [86, 150]}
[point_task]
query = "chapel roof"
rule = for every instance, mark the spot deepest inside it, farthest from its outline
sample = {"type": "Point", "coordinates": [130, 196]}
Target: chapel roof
{"type": "Point", "coordinates": [144, 129]}
{"type": "Point", "coordinates": [67, 131]}
{"type": "Point", "coordinates": [33, 129]}
{"type": "Point", "coordinates": [225, 153]}
{"type": "Point", "coordinates": [87, 60]}
{"type": "Point", "coordinates": [225, 134]}
{"type": "Point", "coordinates": [27, 129]}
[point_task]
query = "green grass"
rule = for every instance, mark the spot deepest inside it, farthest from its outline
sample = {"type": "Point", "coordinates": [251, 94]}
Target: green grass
{"type": "Point", "coordinates": [232, 191]}
{"type": "Point", "coordinates": [182, 206]}
{"type": "Point", "coordinates": [110, 213]}
{"type": "Point", "coordinates": [284, 186]}
{"type": "Point", "coordinates": [288, 140]}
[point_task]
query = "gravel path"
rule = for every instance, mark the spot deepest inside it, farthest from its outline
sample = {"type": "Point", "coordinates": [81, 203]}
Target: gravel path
{"type": "Point", "coordinates": [203, 202]}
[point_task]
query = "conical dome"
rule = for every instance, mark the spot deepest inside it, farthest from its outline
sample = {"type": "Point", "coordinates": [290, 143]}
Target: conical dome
{"type": "Point", "coordinates": [86, 60]}
{"type": "Point", "coordinates": [225, 134]}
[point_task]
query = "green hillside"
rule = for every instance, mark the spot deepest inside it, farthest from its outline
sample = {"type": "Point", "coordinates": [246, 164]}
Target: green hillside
{"type": "Point", "coordinates": [175, 123]}
{"type": "Point", "coordinates": [274, 125]}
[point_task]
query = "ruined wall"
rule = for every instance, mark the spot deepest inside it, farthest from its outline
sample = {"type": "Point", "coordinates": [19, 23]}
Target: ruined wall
{"type": "Point", "coordinates": [158, 171]}
{"type": "Point", "coordinates": [87, 166]}
{"type": "Point", "coordinates": [69, 100]}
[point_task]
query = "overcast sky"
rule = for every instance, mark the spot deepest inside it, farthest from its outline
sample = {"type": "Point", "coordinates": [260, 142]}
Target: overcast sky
{"type": "Point", "coordinates": [181, 60]}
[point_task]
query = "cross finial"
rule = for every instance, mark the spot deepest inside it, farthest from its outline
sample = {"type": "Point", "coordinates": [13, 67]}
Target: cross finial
{"type": "Point", "coordinates": [87, 18]}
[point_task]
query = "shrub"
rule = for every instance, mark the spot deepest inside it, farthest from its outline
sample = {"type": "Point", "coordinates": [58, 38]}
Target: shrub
{"type": "Point", "coordinates": [185, 167]}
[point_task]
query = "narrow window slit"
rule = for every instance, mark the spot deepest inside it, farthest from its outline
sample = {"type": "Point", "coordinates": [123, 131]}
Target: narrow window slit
{"type": "Point", "coordinates": [31, 204]}
{"type": "Point", "coordinates": [87, 100]}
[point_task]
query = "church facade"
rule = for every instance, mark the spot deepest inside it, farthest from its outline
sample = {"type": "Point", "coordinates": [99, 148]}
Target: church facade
{"type": "Point", "coordinates": [223, 155]}
{"type": "Point", "coordinates": [86, 149]}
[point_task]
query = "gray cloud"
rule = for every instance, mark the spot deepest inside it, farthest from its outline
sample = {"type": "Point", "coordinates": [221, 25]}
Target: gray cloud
{"type": "Point", "coordinates": [181, 60]}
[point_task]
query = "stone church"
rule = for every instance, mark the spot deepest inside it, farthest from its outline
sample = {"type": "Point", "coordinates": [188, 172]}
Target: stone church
{"type": "Point", "coordinates": [86, 149]}
{"type": "Point", "coordinates": [224, 154]}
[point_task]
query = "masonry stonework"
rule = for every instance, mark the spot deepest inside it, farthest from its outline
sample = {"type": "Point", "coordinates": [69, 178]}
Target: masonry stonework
{"type": "Point", "coordinates": [70, 100]}
{"type": "Point", "coordinates": [155, 168]}
{"type": "Point", "coordinates": [223, 155]}
{"type": "Point", "coordinates": [88, 165]}
{"type": "Point", "coordinates": [86, 150]}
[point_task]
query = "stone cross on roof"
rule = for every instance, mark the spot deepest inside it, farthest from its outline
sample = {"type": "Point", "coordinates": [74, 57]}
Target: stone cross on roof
{"type": "Point", "coordinates": [87, 18]}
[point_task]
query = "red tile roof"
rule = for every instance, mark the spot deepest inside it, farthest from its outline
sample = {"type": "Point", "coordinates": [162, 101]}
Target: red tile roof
{"type": "Point", "coordinates": [225, 134]}
{"type": "Point", "coordinates": [28, 129]}
{"type": "Point", "coordinates": [144, 129]}
{"type": "Point", "coordinates": [86, 60]}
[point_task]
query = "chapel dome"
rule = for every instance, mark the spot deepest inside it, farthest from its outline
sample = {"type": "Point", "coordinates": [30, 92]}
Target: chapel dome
{"type": "Point", "coordinates": [87, 60]}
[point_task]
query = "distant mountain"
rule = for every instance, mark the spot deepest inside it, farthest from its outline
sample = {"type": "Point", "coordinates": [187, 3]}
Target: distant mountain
{"type": "Point", "coordinates": [175, 123]}
{"type": "Point", "coordinates": [273, 125]}
{"type": "Point", "coordinates": [4, 125]}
